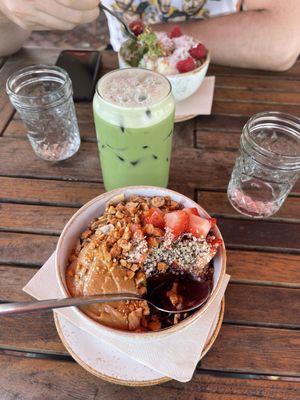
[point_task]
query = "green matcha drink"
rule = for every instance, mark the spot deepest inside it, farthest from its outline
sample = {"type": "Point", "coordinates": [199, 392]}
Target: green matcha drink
{"type": "Point", "coordinates": [134, 118]}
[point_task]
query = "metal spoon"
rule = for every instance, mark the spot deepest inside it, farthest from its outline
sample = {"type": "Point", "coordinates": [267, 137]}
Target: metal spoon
{"type": "Point", "coordinates": [114, 14]}
{"type": "Point", "coordinates": [29, 306]}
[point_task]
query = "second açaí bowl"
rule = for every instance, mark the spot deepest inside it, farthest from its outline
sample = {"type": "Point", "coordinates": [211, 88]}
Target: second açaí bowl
{"type": "Point", "coordinates": [94, 208]}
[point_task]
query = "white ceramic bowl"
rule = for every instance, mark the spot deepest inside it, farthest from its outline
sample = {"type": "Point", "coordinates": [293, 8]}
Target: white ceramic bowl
{"type": "Point", "coordinates": [80, 221]}
{"type": "Point", "coordinates": [185, 84]}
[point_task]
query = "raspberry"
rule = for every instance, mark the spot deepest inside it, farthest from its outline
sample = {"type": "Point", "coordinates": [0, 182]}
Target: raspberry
{"type": "Point", "coordinates": [137, 27]}
{"type": "Point", "coordinates": [175, 32]}
{"type": "Point", "coordinates": [198, 52]}
{"type": "Point", "coordinates": [186, 65]}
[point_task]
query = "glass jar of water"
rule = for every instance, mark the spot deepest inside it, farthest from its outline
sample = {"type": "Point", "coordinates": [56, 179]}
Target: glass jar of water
{"type": "Point", "coordinates": [42, 95]}
{"type": "Point", "coordinates": [268, 165]}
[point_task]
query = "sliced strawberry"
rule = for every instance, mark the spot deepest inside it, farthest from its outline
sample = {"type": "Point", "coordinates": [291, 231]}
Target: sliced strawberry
{"type": "Point", "coordinates": [177, 222]}
{"type": "Point", "coordinates": [186, 65]}
{"type": "Point", "coordinates": [155, 217]}
{"type": "Point", "coordinates": [136, 27]}
{"type": "Point", "coordinates": [198, 52]}
{"type": "Point", "coordinates": [213, 222]}
{"type": "Point", "coordinates": [215, 242]}
{"type": "Point", "coordinates": [198, 227]}
{"type": "Point", "coordinates": [175, 32]}
{"type": "Point", "coordinates": [192, 210]}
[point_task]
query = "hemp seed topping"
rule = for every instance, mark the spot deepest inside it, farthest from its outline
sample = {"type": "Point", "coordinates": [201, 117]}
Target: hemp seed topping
{"type": "Point", "coordinates": [187, 254]}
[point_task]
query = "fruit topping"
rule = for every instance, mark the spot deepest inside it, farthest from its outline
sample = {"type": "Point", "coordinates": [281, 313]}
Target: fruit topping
{"type": "Point", "coordinates": [198, 227]}
{"type": "Point", "coordinates": [136, 27]}
{"type": "Point", "coordinates": [198, 52]}
{"type": "Point", "coordinates": [213, 222]}
{"type": "Point", "coordinates": [186, 65]}
{"type": "Point", "coordinates": [177, 222]}
{"type": "Point", "coordinates": [192, 210]}
{"type": "Point", "coordinates": [175, 32]}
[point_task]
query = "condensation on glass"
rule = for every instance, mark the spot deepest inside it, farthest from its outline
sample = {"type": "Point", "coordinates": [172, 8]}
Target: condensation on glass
{"type": "Point", "coordinates": [42, 95]}
{"type": "Point", "coordinates": [268, 164]}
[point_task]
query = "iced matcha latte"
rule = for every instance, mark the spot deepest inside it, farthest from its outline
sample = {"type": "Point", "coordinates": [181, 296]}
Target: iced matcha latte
{"type": "Point", "coordinates": [134, 117]}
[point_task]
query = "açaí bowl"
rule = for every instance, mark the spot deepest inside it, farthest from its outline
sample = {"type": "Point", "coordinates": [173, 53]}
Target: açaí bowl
{"type": "Point", "coordinates": [94, 208]}
{"type": "Point", "coordinates": [184, 84]}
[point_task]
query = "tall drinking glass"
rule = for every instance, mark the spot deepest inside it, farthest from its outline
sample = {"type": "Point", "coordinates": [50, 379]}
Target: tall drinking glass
{"type": "Point", "coordinates": [134, 119]}
{"type": "Point", "coordinates": [268, 165]}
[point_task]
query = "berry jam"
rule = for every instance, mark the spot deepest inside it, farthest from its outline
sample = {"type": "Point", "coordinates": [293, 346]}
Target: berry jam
{"type": "Point", "coordinates": [189, 290]}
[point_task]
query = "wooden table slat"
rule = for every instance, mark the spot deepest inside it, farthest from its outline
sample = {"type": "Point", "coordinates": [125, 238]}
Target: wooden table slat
{"type": "Point", "coordinates": [257, 83]}
{"type": "Point", "coordinates": [236, 232]}
{"type": "Point", "coordinates": [251, 96]}
{"type": "Point", "coordinates": [292, 74]}
{"type": "Point", "coordinates": [64, 193]}
{"type": "Point", "coordinates": [248, 109]}
{"type": "Point", "coordinates": [63, 380]}
{"type": "Point", "coordinates": [217, 203]}
{"type": "Point", "coordinates": [26, 249]}
{"type": "Point", "coordinates": [84, 166]}
{"type": "Point", "coordinates": [238, 348]}
{"type": "Point", "coordinates": [264, 267]}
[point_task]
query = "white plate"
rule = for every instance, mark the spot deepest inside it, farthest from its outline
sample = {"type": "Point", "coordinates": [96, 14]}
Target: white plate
{"type": "Point", "coordinates": [110, 364]}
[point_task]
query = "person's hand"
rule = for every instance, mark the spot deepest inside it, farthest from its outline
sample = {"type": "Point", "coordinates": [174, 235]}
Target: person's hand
{"type": "Point", "coordinates": [50, 14]}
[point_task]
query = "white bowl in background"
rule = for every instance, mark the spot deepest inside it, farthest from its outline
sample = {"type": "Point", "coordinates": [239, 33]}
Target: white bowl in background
{"type": "Point", "coordinates": [94, 208]}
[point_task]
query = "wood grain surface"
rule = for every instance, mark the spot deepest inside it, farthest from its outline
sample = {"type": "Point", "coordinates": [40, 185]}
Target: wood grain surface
{"type": "Point", "coordinates": [257, 353]}
{"type": "Point", "coordinates": [64, 380]}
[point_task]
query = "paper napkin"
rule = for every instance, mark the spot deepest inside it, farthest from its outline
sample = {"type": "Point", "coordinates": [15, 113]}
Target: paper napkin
{"type": "Point", "coordinates": [199, 103]}
{"type": "Point", "coordinates": [175, 355]}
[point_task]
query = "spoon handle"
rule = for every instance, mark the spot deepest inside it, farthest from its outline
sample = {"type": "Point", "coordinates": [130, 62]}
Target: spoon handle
{"type": "Point", "coordinates": [114, 14]}
{"type": "Point", "coordinates": [29, 306]}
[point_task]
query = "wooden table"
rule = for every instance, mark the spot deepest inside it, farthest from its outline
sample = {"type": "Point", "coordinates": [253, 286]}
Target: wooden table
{"type": "Point", "coordinates": [257, 354]}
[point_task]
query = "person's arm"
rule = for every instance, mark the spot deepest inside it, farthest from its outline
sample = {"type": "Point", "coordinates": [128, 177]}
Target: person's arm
{"type": "Point", "coordinates": [12, 36]}
{"type": "Point", "coordinates": [266, 35]}
{"type": "Point", "coordinates": [19, 17]}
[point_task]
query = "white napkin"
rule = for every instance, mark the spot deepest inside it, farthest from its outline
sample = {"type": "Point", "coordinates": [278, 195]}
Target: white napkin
{"type": "Point", "coordinates": [199, 103]}
{"type": "Point", "coordinates": [175, 355]}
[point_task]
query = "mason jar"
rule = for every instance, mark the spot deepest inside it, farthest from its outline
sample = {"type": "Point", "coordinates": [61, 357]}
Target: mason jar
{"type": "Point", "coordinates": [268, 164]}
{"type": "Point", "coordinates": [42, 95]}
